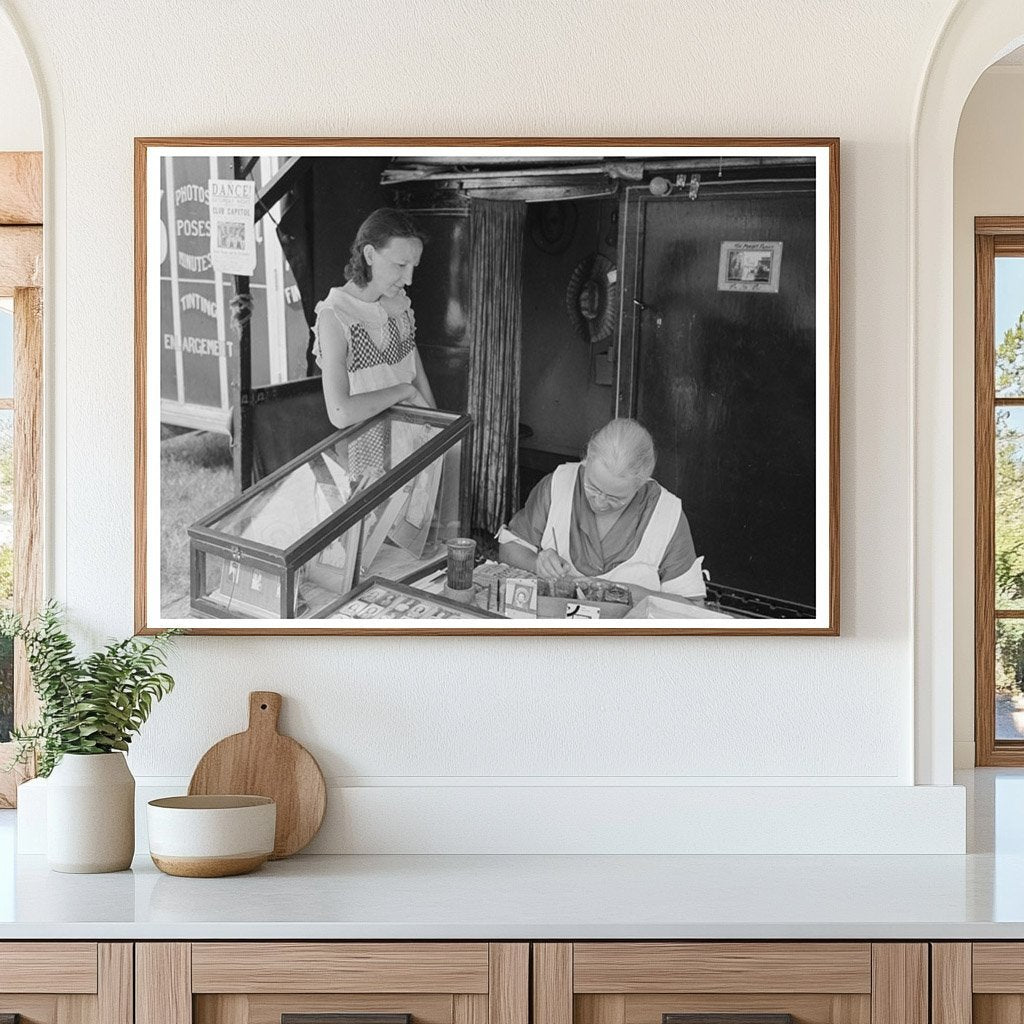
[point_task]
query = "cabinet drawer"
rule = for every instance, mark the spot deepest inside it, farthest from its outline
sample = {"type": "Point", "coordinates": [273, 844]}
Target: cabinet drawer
{"type": "Point", "coordinates": [980, 982]}
{"type": "Point", "coordinates": [998, 967]}
{"type": "Point", "coordinates": [340, 967]}
{"type": "Point", "coordinates": [730, 983]}
{"type": "Point", "coordinates": [64, 967]}
{"type": "Point", "coordinates": [332, 983]}
{"type": "Point", "coordinates": [633, 967]}
{"type": "Point", "coordinates": [66, 982]}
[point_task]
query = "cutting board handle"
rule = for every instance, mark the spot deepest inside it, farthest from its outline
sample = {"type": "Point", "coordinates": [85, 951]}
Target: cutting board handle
{"type": "Point", "coordinates": [264, 710]}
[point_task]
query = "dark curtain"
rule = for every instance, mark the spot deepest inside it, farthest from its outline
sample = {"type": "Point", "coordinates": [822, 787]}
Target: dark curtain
{"type": "Point", "coordinates": [495, 352]}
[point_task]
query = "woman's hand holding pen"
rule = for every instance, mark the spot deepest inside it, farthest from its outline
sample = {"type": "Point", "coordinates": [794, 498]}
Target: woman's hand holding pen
{"type": "Point", "coordinates": [552, 565]}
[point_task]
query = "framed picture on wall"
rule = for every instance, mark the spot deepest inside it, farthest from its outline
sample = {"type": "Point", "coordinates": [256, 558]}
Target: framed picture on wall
{"type": "Point", "coordinates": [750, 267]}
{"type": "Point", "coordinates": [500, 386]}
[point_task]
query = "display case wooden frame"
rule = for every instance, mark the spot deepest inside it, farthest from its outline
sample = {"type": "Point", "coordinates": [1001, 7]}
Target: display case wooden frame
{"type": "Point", "coordinates": [824, 152]}
{"type": "Point", "coordinates": [282, 564]}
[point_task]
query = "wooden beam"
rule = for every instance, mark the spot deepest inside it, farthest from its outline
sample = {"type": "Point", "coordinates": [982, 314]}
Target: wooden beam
{"type": "Point", "coordinates": [28, 501]}
{"type": "Point", "coordinates": [997, 226]}
{"type": "Point", "coordinates": [21, 188]}
{"type": "Point", "coordinates": [508, 993]}
{"type": "Point", "coordinates": [28, 483]}
{"type": "Point", "coordinates": [984, 501]}
{"type": "Point", "coordinates": [552, 983]}
{"type": "Point", "coordinates": [292, 171]}
{"type": "Point", "coordinates": [899, 991]}
{"type": "Point", "coordinates": [116, 998]}
{"type": "Point", "coordinates": [951, 983]}
{"type": "Point", "coordinates": [21, 258]}
{"type": "Point", "coordinates": [163, 983]}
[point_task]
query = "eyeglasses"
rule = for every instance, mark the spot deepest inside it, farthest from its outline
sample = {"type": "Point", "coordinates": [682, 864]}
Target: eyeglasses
{"type": "Point", "coordinates": [603, 497]}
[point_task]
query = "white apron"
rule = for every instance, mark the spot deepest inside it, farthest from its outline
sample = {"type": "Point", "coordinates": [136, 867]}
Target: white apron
{"type": "Point", "coordinates": [641, 568]}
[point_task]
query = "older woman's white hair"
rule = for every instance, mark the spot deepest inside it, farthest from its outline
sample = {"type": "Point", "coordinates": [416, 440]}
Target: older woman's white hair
{"type": "Point", "coordinates": [624, 448]}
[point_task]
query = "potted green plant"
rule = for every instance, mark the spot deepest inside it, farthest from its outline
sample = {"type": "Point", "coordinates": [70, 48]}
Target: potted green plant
{"type": "Point", "coordinates": [89, 710]}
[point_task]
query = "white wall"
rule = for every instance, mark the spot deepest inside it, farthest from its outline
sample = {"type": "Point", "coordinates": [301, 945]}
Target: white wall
{"type": "Point", "coordinates": [987, 182]}
{"type": "Point", "coordinates": [21, 127]}
{"type": "Point", "coordinates": [427, 716]}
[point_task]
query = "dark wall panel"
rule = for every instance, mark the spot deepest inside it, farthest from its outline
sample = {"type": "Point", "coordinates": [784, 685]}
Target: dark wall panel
{"type": "Point", "coordinates": [560, 402]}
{"type": "Point", "coordinates": [345, 192]}
{"type": "Point", "coordinates": [725, 382]}
{"type": "Point", "coordinates": [440, 298]}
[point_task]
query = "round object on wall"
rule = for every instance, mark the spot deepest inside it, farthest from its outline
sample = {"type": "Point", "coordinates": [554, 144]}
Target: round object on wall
{"type": "Point", "coordinates": [592, 298]}
{"type": "Point", "coordinates": [552, 226]}
{"type": "Point", "coordinates": [262, 762]}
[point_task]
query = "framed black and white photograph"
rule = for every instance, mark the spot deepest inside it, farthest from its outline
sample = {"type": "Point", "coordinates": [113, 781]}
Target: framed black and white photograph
{"type": "Point", "coordinates": [750, 267]}
{"type": "Point", "coordinates": [487, 386]}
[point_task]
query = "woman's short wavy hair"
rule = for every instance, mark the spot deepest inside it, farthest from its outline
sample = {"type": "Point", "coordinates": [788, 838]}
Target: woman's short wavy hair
{"type": "Point", "coordinates": [624, 448]}
{"type": "Point", "coordinates": [377, 230]}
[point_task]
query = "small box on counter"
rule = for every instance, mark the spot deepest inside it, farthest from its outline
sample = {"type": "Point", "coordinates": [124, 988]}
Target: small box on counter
{"type": "Point", "coordinates": [550, 598]}
{"type": "Point", "coordinates": [582, 598]}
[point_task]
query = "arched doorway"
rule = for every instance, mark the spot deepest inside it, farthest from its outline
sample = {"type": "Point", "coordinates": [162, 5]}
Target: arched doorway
{"type": "Point", "coordinates": [976, 34]}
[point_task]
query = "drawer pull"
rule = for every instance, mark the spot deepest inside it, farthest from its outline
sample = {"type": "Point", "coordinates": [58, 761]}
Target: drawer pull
{"type": "Point", "coordinates": [339, 1018]}
{"type": "Point", "coordinates": [727, 1018]}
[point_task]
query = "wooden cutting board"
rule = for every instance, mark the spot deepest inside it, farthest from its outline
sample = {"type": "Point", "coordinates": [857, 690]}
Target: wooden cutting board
{"type": "Point", "coordinates": [262, 762]}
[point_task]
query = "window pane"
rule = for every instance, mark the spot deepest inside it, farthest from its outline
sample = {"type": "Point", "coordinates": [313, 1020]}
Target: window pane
{"type": "Point", "coordinates": [1009, 324]}
{"type": "Point", "coordinates": [1009, 482]}
{"type": "Point", "coordinates": [6, 352]}
{"type": "Point", "coordinates": [6, 567]}
{"type": "Point", "coordinates": [1009, 679]}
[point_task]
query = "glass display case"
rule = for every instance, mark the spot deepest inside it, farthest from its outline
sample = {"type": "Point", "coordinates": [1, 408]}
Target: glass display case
{"type": "Point", "coordinates": [376, 499]}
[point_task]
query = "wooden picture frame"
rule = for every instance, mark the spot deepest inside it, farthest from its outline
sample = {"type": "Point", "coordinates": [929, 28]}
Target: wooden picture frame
{"type": "Point", "coordinates": [762, 500]}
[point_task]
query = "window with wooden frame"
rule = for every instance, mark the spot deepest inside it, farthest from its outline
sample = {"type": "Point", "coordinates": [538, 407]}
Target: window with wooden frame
{"type": "Point", "coordinates": [999, 490]}
{"type": "Point", "coordinates": [21, 363]}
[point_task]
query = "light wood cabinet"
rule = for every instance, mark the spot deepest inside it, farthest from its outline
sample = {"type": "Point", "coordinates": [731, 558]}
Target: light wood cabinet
{"type": "Point", "coordinates": [512, 982]}
{"type": "Point", "coordinates": [66, 982]}
{"type": "Point", "coordinates": [651, 982]}
{"type": "Point", "coordinates": [260, 982]}
{"type": "Point", "coordinates": [978, 983]}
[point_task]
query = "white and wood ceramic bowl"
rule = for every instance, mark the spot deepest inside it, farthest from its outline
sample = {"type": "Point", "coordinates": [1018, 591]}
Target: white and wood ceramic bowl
{"type": "Point", "coordinates": [211, 836]}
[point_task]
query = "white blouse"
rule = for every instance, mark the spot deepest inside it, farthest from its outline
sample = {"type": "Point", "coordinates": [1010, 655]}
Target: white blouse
{"type": "Point", "coordinates": [381, 339]}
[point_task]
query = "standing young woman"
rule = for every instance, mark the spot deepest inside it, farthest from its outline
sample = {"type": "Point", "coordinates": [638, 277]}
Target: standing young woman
{"type": "Point", "coordinates": [365, 330]}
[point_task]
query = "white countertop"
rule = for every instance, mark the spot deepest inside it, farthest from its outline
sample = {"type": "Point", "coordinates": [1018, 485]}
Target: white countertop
{"type": "Point", "coordinates": [976, 896]}
{"type": "Point", "coordinates": [517, 897]}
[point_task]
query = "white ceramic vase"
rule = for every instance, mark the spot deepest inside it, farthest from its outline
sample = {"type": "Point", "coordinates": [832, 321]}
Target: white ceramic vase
{"type": "Point", "coordinates": [90, 814]}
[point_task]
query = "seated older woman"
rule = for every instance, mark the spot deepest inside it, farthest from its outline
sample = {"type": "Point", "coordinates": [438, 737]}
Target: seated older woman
{"type": "Point", "coordinates": [605, 517]}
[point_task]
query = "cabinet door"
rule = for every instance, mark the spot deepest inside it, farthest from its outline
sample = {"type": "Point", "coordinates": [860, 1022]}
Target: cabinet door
{"type": "Point", "coordinates": [730, 983]}
{"type": "Point", "coordinates": [981, 982]}
{"type": "Point", "coordinates": [332, 983]}
{"type": "Point", "coordinates": [66, 982]}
